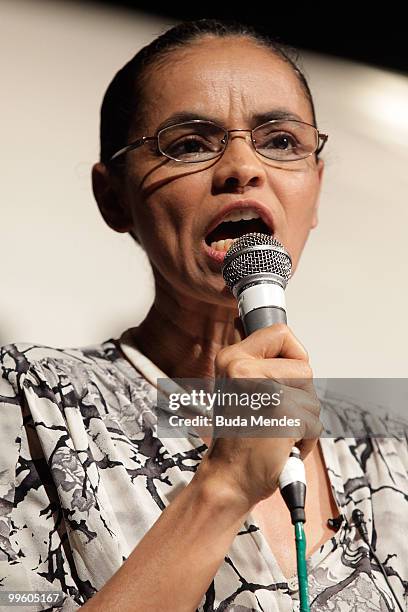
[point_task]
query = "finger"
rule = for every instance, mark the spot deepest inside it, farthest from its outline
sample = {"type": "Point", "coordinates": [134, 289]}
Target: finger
{"type": "Point", "coordinates": [293, 372]}
{"type": "Point", "coordinates": [306, 446]}
{"type": "Point", "coordinates": [310, 439]}
{"type": "Point", "coordinates": [273, 341]}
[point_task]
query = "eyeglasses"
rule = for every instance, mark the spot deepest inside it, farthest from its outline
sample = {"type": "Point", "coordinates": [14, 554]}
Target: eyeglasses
{"type": "Point", "coordinates": [198, 141]}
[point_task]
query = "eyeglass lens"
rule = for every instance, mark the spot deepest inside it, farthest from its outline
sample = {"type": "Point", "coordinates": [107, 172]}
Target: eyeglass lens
{"type": "Point", "coordinates": [201, 141]}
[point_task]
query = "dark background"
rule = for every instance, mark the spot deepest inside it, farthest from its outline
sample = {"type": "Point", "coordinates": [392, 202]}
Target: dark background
{"type": "Point", "coordinates": [374, 33]}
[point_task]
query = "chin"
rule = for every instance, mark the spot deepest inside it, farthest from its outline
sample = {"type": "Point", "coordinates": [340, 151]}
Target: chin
{"type": "Point", "coordinates": [214, 292]}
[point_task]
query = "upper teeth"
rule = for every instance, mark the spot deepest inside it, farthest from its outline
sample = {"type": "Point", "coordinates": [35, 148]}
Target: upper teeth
{"type": "Point", "coordinates": [241, 214]}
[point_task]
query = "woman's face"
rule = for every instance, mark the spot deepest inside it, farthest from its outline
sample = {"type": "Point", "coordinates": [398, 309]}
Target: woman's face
{"type": "Point", "coordinates": [173, 205]}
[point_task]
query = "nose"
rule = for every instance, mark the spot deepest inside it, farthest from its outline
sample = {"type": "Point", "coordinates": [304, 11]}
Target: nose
{"type": "Point", "coordinates": [239, 167]}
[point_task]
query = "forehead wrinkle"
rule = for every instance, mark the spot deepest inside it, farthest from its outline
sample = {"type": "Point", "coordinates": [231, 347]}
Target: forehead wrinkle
{"type": "Point", "coordinates": [223, 86]}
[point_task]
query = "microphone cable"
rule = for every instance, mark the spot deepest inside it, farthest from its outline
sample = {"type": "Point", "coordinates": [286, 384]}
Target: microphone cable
{"type": "Point", "coordinates": [300, 539]}
{"type": "Point", "coordinates": [292, 484]}
{"type": "Point", "coordinates": [359, 522]}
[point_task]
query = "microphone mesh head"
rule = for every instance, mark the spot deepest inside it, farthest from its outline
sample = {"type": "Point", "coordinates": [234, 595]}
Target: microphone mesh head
{"type": "Point", "coordinates": [240, 262]}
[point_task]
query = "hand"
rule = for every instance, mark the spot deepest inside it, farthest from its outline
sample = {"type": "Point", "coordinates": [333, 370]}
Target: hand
{"type": "Point", "coordinates": [251, 465]}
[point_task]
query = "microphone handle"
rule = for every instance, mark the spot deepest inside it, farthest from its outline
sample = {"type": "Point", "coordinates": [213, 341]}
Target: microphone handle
{"type": "Point", "coordinates": [262, 317]}
{"type": "Point", "coordinates": [292, 482]}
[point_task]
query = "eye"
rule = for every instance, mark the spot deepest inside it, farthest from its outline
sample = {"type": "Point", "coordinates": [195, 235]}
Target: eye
{"type": "Point", "coordinates": [193, 145]}
{"type": "Point", "coordinates": [279, 140]}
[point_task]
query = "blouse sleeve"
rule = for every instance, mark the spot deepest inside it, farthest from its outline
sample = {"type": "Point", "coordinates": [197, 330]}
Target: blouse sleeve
{"type": "Point", "coordinates": [34, 555]}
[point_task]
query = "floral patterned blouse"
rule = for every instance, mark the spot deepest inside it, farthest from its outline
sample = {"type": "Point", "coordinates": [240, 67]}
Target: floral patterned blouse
{"type": "Point", "coordinates": [84, 475]}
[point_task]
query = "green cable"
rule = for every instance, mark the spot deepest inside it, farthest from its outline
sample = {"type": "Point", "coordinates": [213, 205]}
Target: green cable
{"type": "Point", "coordinates": [301, 566]}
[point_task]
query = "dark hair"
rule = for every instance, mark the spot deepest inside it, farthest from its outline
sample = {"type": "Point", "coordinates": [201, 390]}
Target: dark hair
{"type": "Point", "coordinates": [123, 99]}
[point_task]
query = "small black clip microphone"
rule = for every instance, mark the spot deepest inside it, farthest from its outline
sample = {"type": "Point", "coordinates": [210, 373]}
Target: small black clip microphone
{"type": "Point", "coordinates": [359, 522]}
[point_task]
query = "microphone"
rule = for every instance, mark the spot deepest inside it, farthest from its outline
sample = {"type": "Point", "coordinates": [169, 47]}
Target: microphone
{"type": "Point", "coordinates": [359, 522]}
{"type": "Point", "coordinates": [256, 269]}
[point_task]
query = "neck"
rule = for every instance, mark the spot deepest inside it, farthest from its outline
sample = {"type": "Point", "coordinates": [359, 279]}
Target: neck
{"type": "Point", "coordinates": [182, 336]}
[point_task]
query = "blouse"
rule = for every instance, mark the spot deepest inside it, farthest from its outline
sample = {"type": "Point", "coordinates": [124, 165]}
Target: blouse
{"type": "Point", "coordinates": [84, 475]}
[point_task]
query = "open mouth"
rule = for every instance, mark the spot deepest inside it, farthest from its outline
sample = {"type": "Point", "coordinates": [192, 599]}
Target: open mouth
{"type": "Point", "coordinates": [236, 225]}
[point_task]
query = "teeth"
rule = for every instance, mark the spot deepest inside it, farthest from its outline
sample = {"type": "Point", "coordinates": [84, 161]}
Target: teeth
{"type": "Point", "coordinates": [241, 214]}
{"type": "Point", "coordinates": [222, 245]}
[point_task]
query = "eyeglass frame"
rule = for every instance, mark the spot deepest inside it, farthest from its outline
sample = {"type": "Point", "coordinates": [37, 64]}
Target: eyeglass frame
{"type": "Point", "coordinates": [143, 139]}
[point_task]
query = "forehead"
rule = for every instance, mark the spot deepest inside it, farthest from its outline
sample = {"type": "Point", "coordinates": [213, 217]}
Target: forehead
{"type": "Point", "coordinates": [229, 79]}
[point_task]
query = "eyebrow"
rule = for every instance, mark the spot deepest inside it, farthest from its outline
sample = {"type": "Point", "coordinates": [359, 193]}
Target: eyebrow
{"type": "Point", "coordinates": [276, 114]}
{"type": "Point", "coordinates": [258, 118]}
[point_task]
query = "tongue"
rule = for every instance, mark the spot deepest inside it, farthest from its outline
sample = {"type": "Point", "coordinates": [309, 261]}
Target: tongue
{"type": "Point", "coordinates": [235, 229]}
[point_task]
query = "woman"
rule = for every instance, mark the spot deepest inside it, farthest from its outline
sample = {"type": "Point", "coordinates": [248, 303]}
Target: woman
{"type": "Point", "coordinates": [95, 503]}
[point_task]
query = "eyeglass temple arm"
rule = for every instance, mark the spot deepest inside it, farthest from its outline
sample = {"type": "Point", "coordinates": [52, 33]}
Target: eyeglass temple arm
{"type": "Point", "coordinates": [324, 138]}
{"type": "Point", "coordinates": [133, 145]}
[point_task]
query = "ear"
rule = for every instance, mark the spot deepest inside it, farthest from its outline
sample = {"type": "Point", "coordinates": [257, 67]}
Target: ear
{"type": "Point", "coordinates": [107, 195]}
{"type": "Point", "coordinates": [320, 169]}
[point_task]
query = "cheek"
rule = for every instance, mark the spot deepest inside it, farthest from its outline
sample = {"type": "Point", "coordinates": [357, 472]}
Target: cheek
{"type": "Point", "coordinates": [300, 203]}
{"type": "Point", "coordinates": [298, 198]}
{"type": "Point", "coordinates": [168, 200]}
{"type": "Point", "coordinates": [164, 217]}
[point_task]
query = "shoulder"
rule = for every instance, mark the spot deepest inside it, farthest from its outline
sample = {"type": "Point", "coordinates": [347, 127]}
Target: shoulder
{"type": "Point", "coordinates": [359, 415]}
{"type": "Point", "coordinates": [21, 364]}
{"type": "Point", "coordinates": [367, 435]}
{"type": "Point", "coordinates": [94, 381]}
